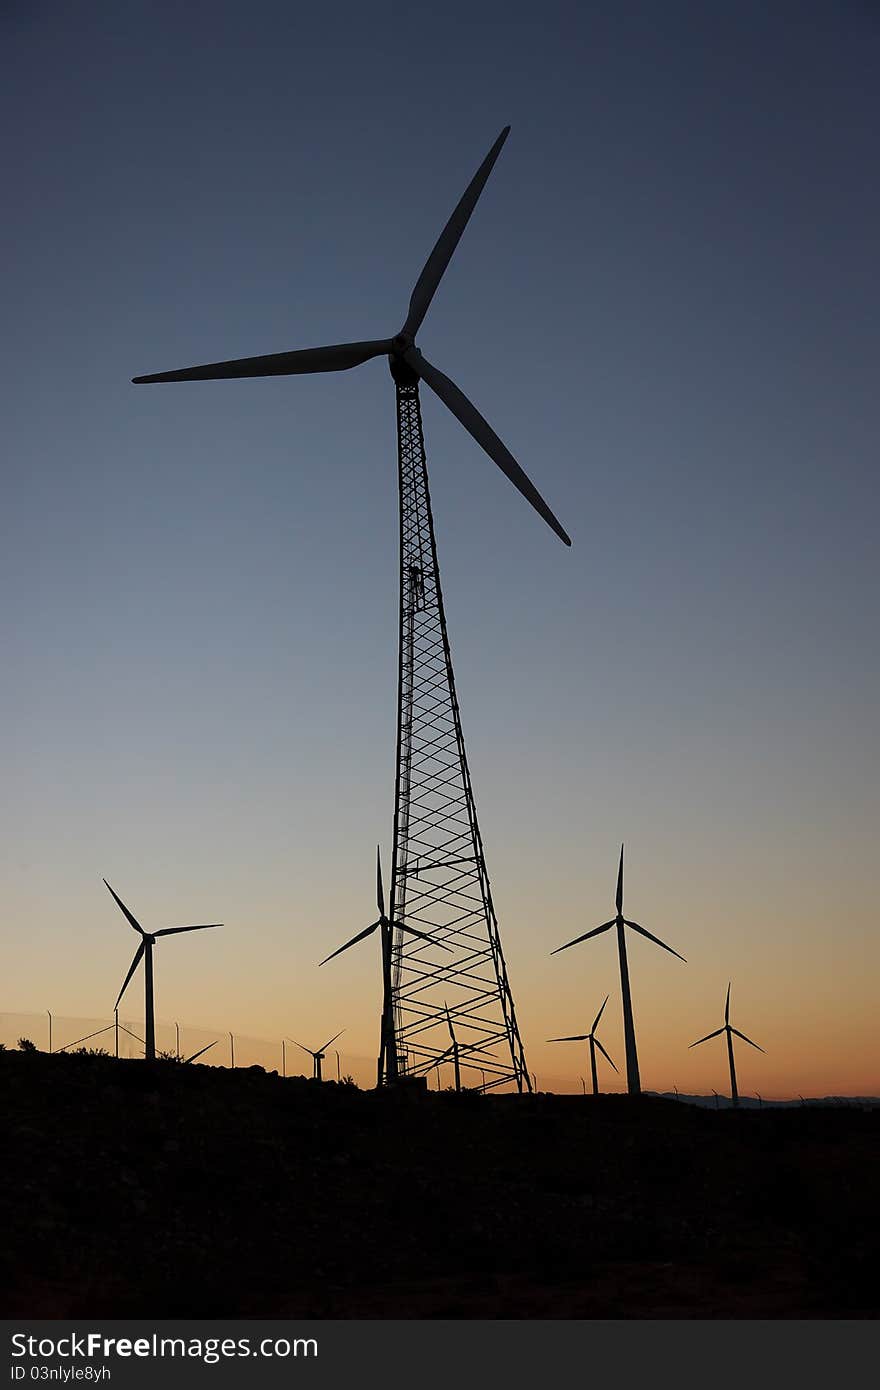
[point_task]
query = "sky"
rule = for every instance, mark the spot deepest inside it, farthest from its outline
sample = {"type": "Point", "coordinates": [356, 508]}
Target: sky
{"type": "Point", "coordinates": [666, 304]}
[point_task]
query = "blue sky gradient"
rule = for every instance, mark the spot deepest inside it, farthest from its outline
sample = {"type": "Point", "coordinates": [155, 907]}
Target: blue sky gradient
{"type": "Point", "coordinates": [666, 304]}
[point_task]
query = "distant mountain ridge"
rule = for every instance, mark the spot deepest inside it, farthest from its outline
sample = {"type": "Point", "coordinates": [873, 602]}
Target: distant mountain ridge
{"type": "Point", "coordinates": [752, 1103]}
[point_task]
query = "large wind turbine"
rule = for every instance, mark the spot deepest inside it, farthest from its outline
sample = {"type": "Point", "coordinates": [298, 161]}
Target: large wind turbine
{"type": "Point", "coordinates": [633, 1083]}
{"type": "Point", "coordinates": [729, 1030]}
{"type": "Point", "coordinates": [594, 1043]}
{"type": "Point", "coordinates": [145, 949]}
{"type": "Point", "coordinates": [385, 926]}
{"type": "Point", "coordinates": [439, 879]}
{"type": "Point", "coordinates": [318, 1055]}
{"type": "Point", "coordinates": [404, 358]}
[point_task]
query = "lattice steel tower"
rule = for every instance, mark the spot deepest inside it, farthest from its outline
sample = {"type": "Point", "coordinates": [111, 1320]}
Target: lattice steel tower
{"type": "Point", "coordinates": [439, 883]}
{"type": "Point", "coordinates": [440, 941]}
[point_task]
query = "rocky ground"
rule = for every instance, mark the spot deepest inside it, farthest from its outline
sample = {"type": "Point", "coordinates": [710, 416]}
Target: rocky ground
{"type": "Point", "coordinates": [166, 1190]}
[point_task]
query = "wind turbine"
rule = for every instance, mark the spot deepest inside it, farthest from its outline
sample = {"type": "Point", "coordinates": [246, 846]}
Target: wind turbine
{"type": "Point", "coordinates": [319, 1055]}
{"type": "Point", "coordinates": [633, 1084]}
{"type": "Point", "coordinates": [438, 832]}
{"type": "Point", "coordinates": [388, 1058]}
{"type": "Point", "coordinates": [594, 1043]}
{"type": "Point", "coordinates": [729, 1030]}
{"type": "Point", "coordinates": [404, 358]}
{"type": "Point", "coordinates": [145, 949]}
{"type": "Point", "coordinates": [454, 1050]}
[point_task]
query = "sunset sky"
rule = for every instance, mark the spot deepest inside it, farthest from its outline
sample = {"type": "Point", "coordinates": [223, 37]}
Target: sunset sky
{"type": "Point", "coordinates": [666, 304]}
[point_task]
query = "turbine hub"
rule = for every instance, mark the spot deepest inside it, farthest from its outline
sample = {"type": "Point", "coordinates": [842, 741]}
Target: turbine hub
{"type": "Point", "coordinates": [402, 374]}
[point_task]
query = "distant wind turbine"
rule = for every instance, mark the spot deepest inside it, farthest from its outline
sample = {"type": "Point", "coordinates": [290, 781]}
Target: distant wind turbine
{"type": "Point", "coordinates": [594, 1043]}
{"type": "Point", "coordinates": [734, 1094]}
{"type": "Point", "coordinates": [387, 1037]}
{"type": "Point", "coordinates": [145, 949]}
{"type": "Point", "coordinates": [633, 1083]}
{"type": "Point", "coordinates": [454, 1050]}
{"type": "Point", "coordinates": [319, 1055]}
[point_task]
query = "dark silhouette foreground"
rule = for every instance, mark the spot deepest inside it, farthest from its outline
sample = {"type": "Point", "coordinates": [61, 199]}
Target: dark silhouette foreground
{"type": "Point", "coordinates": [163, 1190]}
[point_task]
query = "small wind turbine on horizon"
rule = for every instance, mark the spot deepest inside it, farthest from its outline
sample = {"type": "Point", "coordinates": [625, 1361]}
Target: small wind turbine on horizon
{"type": "Point", "coordinates": [319, 1054]}
{"type": "Point", "coordinates": [145, 949]}
{"type": "Point", "coordinates": [454, 1050]}
{"type": "Point", "coordinates": [633, 1082]}
{"type": "Point", "coordinates": [729, 1030]}
{"type": "Point", "coordinates": [386, 928]}
{"type": "Point", "coordinates": [594, 1043]}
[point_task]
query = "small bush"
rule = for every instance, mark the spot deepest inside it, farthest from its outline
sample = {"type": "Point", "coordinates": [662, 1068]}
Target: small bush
{"type": "Point", "coordinates": [25, 1045]}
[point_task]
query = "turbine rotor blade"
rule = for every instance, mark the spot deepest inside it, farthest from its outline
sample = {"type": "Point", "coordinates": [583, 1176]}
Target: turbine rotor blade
{"type": "Point", "coordinates": [586, 936]}
{"type": "Point", "coordinates": [337, 358]}
{"type": "Point", "coordinates": [449, 1022]}
{"type": "Point", "coordinates": [657, 942]}
{"type": "Point", "coordinates": [380, 891]}
{"type": "Point", "coordinates": [619, 898]}
{"type": "Point", "coordinates": [604, 1053]}
{"type": "Point", "coordinates": [745, 1039]}
{"type": "Point", "coordinates": [716, 1034]}
{"type": "Point", "coordinates": [133, 920]}
{"type": "Point", "coordinates": [727, 1006]}
{"type": "Point", "coordinates": [456, 401]}
{"type": "Point", "coordinates": [412, 931]}
{"type": "Point", "coordinates": [201, 1050]}
{"type": "Point", "coordinates": [599, 1014]}
{"type": "Point", "coordinates": [449, 238]}
{"type": "Point", "coordinates": [333, 1039]}
{"type": "Point", "coordinates": [304, 1048]}
{"type": "Point", "coordinates": [360, 936]}
{"type": "Point", "coordinates": [577, 1037]}
{"type": "Point", "coordinates": [173, 931]}
{"type": "Point", "coordinates": [131, 969]}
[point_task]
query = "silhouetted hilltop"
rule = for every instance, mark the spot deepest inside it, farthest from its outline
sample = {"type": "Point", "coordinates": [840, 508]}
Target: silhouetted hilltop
{"type": "Point", "coordinates": [765, 1103]}
{"type": "Point", "coordinates": [167, 1190]}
